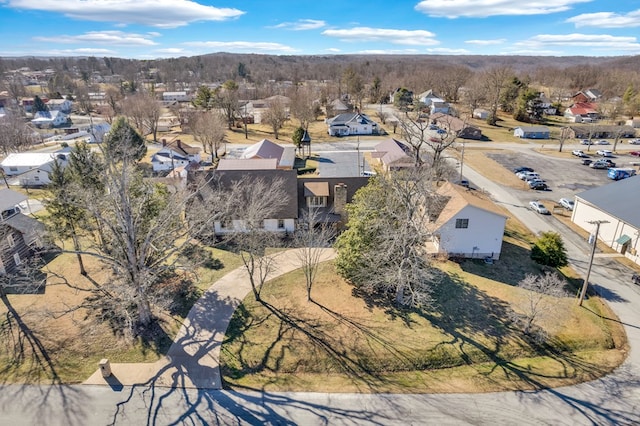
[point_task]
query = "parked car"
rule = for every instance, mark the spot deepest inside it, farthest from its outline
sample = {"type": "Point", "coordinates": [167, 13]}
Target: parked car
{"type": "Point", "coordinates": [538, 185]}
{"type": "Point", "coordinates": [528, 175]}
{"type": "Point", "coordinates": [538, 207]}
{"type": "Point", "coordinates": [634, 141]}
{"type": "Point", "coordinates": [602, 164]}
{"type": "Point", "coordinates": [579, 153]}
{"type": "Point", "coordinates": [602, 142]}
{"type": "Point", "coordinates": [566, 203]}
{"type": "Point", "coordinates": [463, 182]}
{"type": "Point", "coordinates": [586, 161]}
{"type": "Point", "coordinates": [635, 153]}
{"type": "Point", "coordinates": [522, 169]}
{"type": "Point", "coordinates": [586, 142]}
{"type": "Point", "coordinates": [604, 152]}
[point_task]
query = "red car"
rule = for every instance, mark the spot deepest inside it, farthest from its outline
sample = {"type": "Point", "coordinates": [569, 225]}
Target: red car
{"type": "Point", "coordinates": [635, 153]}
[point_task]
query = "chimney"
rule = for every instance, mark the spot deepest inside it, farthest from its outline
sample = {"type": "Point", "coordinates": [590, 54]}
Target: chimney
{"type": "Point", "coordinates": [340, 203]}
{"type": "Point", "coordinates": [164, 142]}
{"type": "Point", "coordinates": [179, 143]}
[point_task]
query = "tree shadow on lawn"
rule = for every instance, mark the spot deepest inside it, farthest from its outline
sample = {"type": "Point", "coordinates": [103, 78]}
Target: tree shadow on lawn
{"type": "Point", "coordinates": [463, 312]}
{"type": "Point", "coordinates": [168, 398]}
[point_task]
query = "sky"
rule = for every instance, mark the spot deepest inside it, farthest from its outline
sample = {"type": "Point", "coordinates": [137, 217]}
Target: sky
{"type": "Point", "coordinates": [149, 29]}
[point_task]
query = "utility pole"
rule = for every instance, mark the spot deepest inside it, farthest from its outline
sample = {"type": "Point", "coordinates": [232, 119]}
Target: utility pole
{"type": "Point", "coordinates": [358, 163]}
{"type": "Point", "coordinates": [461, 162]}
{"type": "Point", "coordinates": [583, 292]}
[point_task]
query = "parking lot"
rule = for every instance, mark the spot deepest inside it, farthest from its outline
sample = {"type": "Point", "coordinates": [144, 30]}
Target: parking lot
{"type": "Point", "coordinates": [565, 177]}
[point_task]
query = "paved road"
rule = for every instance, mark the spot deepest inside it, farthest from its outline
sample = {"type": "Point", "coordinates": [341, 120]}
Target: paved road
{"type": "Point", "coordinates": [613, 400]}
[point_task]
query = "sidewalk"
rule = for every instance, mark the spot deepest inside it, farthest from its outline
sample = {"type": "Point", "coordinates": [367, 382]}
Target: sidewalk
{"type": "Point", "coordinates": [193, 359]}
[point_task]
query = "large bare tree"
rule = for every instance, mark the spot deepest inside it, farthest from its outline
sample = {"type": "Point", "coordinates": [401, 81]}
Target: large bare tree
{"type": "Point", "coordinates": [144, 111]}
{"type": "Point", "coordinates": [383, 251]}
{"type": "Point", "coordinates": [303, 107]}
{"type": "Point", "coordinates": [209, 129]}
{"type": "Point", "coordinates": [495, 82]}
{"type": "Point", "coordinates": [15, 133]}
{"type": "Point", "coordinates": [275, 116]}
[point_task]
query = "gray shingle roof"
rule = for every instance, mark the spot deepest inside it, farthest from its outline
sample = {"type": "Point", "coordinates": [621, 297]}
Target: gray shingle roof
{"type": "Point", "coordinates": [10, 199]}
{"type": "Point", "coordinates": [618, 199]}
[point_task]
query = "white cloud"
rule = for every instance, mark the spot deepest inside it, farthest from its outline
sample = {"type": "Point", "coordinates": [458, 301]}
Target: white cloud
{"type": "Point", "coordinates": [448, 51]}
{"type": "Point", "coordinates": [484, 8]}
{"type": "Point", "coordinates": [155, 13]}
{"type": "Point", "coordinates": [486, 42]}
{"type": "Point", "coordinates": [407, 37]}
{"type": "Point", "coordinates": [302, 25]}
{"type": "Point", "coordinates": [117, 38]}
{"type": "Point", "coordinates": [603, 42]}
{"type": "Point", "coordinates": [607, 20]}
{"type": "Point", "coordinates": [333, 50]}
{"type": "Point", "coordinates": [241, 46]}
{"type": "Point", "coordinates": [85, 51]}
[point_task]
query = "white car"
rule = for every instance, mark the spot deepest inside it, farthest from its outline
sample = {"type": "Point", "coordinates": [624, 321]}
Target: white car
{"type": "Point", "coordinates": [578, 153]}
{"type": "Point", "coordinates": [538, 207]}
{"type": "Point", "coordinates": [604, 152]}
{"type": "Point", "coordinates": [602, 142]}
{"type": "Point", "coordinates": [566, 203]}
{"type": "Point", "coordinates": [634, 141]}
{"type": "Point", "coordinates": [586, 142]}
{"type": "Point", "coordinates": [527, 175]}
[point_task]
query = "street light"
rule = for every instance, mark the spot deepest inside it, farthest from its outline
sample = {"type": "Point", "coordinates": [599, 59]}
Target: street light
{"type": "Point", "coordinates": [583, 292]}
{"type": "Point", "coordinates": [461, 162]}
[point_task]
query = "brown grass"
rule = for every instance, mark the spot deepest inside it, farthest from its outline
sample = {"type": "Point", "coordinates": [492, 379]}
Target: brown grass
{"type": "Point", "coordinates": [341, 343]}
{"type": "Point", "coordinates": [75, 342]}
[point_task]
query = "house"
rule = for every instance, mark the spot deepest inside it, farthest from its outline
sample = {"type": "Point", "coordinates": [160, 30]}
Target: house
{"type": "Point", "coordinates": [588, 95]}
{"type": "Point", "coordinates": [174, 154]}
{"type": "Point", "coordinates": [458, 127]}
{"type": "Point", "coordinates": [351, 124]}
{"type": "Point", "coordinates": [633, 122]}
{"type": "Point", "coordinates": [282, 221]}
{"type": "Point", "coordinates": [469, 225]}
{"type": "Point", "coordinates": [434, 102]}
{"type": "Point", "coordinates": [27, 103]}
{"type": "Point", "coordinates": [582, 112]}
{"type": "Point", "coordinates": [393, 155]}
{"type": "Point", "coordinates": [49, 119]}
{"type": "Point", "coordinates": [20, 235]}
{"type": "Point", "coordinates": [618, 212]}
{"type": "Point", "coordinates": [532, 132]}
{"type": "Point", "coordinates": [266, 149]}
{"type": "Point", "coordinates": [328, 197]}
{"type": "Point", "coordinates": [97, 131]}
{"type": "Point", "coordinates": [176, 97]}
{"type": "Point", "coordinates": [546, 104]}
{"type": "Point", "coordinates": [32, 168]}
{"type": "Point", "coordinates": [62, 105]}
{"type": "Point", "coordinates": [338, 106]}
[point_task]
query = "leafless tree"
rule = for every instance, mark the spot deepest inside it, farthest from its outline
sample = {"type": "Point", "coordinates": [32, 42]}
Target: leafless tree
{"type": "Point", "coordinates": [227, 100]}
{"type": "Point", "coordinates": [475, 94]}
{"type": "Point", "coordinates": [275, 116]}
{"type": "Point", "coordinates": [302, 106]}
{"type": "Point", "coordinates": [543, 292]}
{"type": "Point", "coordinates": [416, 132]}
{"type": "Point", "coordinates": [382, 116]}
{"type": "Point", "coordinates": [144, 111]}
{"type": "Point", "coordinates": [209, 129]}
{"type": "Point", "coordinates": [496, 80]}
{"type": "Point", "coordinates": [113, 107]}
{"type": "Point", "coordinates": [15, 133]}
{"type": "Point", "coordinates": [251, 203]}
{"type": "Point", "coordinates": [312, 238]}
{"type": "Point", "coordinates": [562, 137]}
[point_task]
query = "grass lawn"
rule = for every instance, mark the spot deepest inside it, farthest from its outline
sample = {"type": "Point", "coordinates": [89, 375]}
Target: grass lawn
{"type": "Point", "coordinates": [69, 346]}
{"type": "Point", "coordinates": [464, 343]}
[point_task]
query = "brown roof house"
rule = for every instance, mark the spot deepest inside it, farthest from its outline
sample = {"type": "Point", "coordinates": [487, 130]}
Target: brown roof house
{"type": "Point", "coordinates": [458, 127]}
{"type": "Point", "coordinates": [20, 235]}
{"type": "Point", "coordinates": [393, 155]}
{"type": "Point", "coordinates": [469, 224]}
{"type": "Point", "coordinates": [265, 149]}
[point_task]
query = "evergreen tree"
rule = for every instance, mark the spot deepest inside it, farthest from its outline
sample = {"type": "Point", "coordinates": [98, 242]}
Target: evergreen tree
{"type": "Point", "coordinates": [549, 250]}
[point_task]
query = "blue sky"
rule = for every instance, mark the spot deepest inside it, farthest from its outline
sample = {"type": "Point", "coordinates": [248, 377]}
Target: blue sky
{"type": "Point", "coordinates": [147, 29]}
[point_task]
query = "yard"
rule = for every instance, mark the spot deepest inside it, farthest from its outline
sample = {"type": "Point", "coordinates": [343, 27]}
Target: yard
{"type": "Point", "coordinates": [464, 342]}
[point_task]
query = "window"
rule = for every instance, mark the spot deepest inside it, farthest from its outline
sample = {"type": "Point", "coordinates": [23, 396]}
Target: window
{"type": "Point", "coordinates": [13, 168]}
{"type": "Point", "coordinates": [226, 224]}
{"type": "Point", "coordinates": [10, 240]}
{"type": "Point", "coordinates": [280, 223]}
{"type": "Point", "coordinates": [316, 201]}
{"type": "Point", "coordinates": [462, 223]}
{"type": "Point", "coordinates": [16, 258]}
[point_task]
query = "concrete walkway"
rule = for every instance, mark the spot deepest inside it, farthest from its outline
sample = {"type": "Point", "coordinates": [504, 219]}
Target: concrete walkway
{"type": "Point", "coordinates": [193, 359]}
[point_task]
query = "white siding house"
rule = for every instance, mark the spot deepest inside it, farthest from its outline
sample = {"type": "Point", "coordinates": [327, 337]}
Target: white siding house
{"type": "Point", "coordinates": [618, 213]}
{"type": "Point", "coordinates": [32, 168]}
{"type": "Point", "coordinates": [351, 124]}
{"type": "Point", "coordinates": [176, 97]}
{"type": "Point", "coordinates": [47, 119]}
{"type": "Point", "coordinates": [468, 225]}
